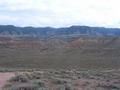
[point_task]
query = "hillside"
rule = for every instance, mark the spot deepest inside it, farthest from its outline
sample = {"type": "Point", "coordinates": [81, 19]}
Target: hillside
{"type": "Point", "coordinates": [47, 38]}
{"type": "Point", "coordinates": [13, 31]}
{"type": "Point", "coordinates": [72, 47]}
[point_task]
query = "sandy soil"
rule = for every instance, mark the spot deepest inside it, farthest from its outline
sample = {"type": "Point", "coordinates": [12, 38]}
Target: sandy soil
{"type": "Point", "coordinates": [4, 77]}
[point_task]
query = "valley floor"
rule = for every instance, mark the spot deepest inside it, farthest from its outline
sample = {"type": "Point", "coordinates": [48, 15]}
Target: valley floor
{"type": "Point", "coordinates": [91, 58]}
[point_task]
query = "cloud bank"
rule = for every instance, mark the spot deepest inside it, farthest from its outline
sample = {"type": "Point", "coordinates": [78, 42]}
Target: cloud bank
{"type": "Point", "coordinates": [60, 13]}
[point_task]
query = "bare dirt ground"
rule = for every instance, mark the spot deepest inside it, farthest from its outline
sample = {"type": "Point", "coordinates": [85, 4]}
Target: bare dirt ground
{"type": "Point", "coordinates": [65, 80]}
{"type": "Point", "coordinates": [4, 77]}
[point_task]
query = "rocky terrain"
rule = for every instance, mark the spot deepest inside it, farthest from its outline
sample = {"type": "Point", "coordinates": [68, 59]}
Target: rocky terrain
{"type": "Point", "coordinates": [44, 32]}
{"type": "Point", "coordinates": [47, 37]}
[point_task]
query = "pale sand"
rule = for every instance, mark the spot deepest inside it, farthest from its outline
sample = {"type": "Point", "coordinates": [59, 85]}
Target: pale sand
{"type": "Point", "coordinates": [4, 77]}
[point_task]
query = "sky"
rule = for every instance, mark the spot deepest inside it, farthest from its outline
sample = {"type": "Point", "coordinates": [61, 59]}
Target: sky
{"type": "Point", "coordinates": [60, 13]}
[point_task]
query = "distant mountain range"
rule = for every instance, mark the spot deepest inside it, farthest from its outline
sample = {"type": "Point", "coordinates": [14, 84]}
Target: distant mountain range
{"type": "Point", "coordinates": [72, 47]}
{"type": "Point", "coordinates": [59, 38]}
{"type": "Point", "coordinates": [13, 31]}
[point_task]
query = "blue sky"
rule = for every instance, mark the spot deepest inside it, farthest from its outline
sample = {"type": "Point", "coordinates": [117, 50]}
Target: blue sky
{"type": "Point", "coordinates": [60, 13]}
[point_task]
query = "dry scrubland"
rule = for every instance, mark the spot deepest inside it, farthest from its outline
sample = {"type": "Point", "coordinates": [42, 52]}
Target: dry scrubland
{"type": "Point", "coordinates": [72, 58]}
{"type": "Point", "coordinates": [65, 80]}
{"type": "Point", "coordinates": [89, 64]}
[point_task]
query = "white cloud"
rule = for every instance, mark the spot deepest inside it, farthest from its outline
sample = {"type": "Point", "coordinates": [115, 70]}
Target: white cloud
{"type": "Point", "coordinates": [59, 13]}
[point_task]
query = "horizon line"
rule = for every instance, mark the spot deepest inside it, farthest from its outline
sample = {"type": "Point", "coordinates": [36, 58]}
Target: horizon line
{"type": "Point", "coordinates": [30, 26]}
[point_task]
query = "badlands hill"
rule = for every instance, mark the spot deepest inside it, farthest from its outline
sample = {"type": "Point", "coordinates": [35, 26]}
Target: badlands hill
{"type": "Point", "coordinates": [70, 47]}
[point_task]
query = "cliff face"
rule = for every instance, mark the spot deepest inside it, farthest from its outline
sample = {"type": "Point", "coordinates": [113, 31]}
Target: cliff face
{"type": "Point", "coordinates": [71, 37]}
{"type": "Point", "coordinates": [13, 31]}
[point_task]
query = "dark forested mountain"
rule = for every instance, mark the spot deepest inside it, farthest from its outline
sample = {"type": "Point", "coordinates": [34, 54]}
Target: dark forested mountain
{"type": "Point", "coordinates": [9, 30]}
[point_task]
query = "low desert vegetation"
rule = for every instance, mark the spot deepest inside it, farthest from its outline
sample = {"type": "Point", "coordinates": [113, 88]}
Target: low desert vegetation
{"type": "Point", "coordinates": [54, 80]}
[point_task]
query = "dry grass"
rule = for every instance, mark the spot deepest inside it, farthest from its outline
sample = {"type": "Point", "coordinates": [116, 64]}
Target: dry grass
{"type": "Point", "coordinates": [50, 80]}
{"type": "Point", "coordinates": [77, 58]}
